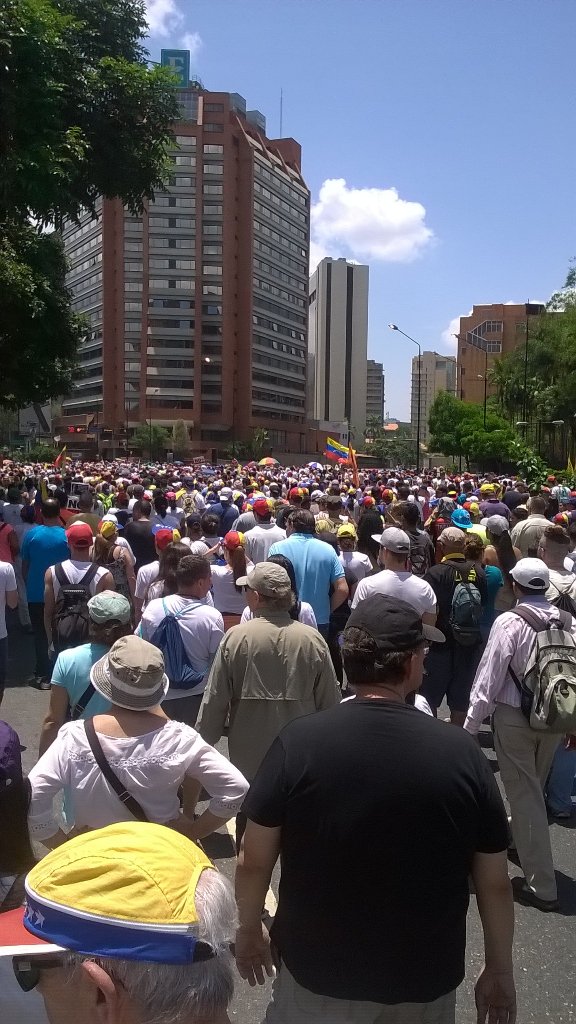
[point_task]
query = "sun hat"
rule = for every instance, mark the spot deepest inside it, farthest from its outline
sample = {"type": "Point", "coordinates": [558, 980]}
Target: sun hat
{"type": "Point", "coordinates": [233, 539]}
{"type": "Point", "coordinates": [497, 525]}
{"type": "Point", "coordinates": [393, 540]}
{"type": "Point", "coordinates": [126, 891]}
{"type": "Point", "coordinates": [79, 535]}
{"type": "Point", "coordinates": [394, 625]}
{"type": "Point", "coordinates": [10, 757]}
{"type": "Point", "coordinates": [131, 675]}
{"type": "Point", "coordinates": [531, 573]}
{"type": "Point", "coordinates": [108, 606]}
{"type": "Point", "coordinates": [346, 530]}
{"type": "Point", "coordinates": [268, 579]}
{"type": "Point", "coordinates": [461, 518]}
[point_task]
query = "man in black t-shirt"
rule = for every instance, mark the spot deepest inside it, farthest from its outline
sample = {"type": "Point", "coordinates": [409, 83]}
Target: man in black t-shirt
{"type": "Point", "coordinates": [379, 814]}
{"type": "Point", "coordinates": [139, 534]}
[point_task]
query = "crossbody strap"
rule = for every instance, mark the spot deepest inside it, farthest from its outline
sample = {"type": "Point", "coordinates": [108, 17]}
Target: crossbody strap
{"type": "Point", "coordinates": [81, 705]}
{"type": "Point", "coordinates": [111, 778]}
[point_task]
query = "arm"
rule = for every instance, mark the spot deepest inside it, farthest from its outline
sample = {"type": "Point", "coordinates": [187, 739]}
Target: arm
{"type": "Point", "coordinates": [128, 559]}
{"type": "Point", "coordinates": [226, 786]}
{"type": "Point", "coordinates": [326, 690]}
{"type": "Point", "coordinates": [106, 582]}
{"type": "Point", "coordinates": [55, 716]}
{"type": "Point", "coordinates": [495, 993]}
{"type": "Point", "coordinates": [491, 673]}
{"type": "Point", "coordinates": [11, 592]}
{"type": "Point", "coordinates": [49, 604]}
{"type": "Point", "coordinates": [217, 697]}
{"type": "Point", "coordinates": [339, 594]}
{"type": "Point", "coordinates": [258, 854]}
{"type": "Point", "coordinates": [13, 544]}
{"type": "Point", "coordinates": [47, 778]}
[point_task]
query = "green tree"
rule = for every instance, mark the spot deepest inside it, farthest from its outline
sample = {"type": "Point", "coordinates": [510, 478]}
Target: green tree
{"type": "Point", "coordinates": [180, 438]}
{"type": "Point", "coordinates": [150, 440]}
{"type": "Point", "coordinates": [457, 429]}
{"type": "Point", "coordinates": [394, 446]}
{"type": "Point", "coordinates": [81, 115]}
{"type": "Point", "coordinates": [260, 443]}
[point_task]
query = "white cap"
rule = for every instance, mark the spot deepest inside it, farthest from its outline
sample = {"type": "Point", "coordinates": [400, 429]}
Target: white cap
{"type": "Point", "coordinates": [531, 573]}
{"type": "Point", "coordinates": [393, 540]}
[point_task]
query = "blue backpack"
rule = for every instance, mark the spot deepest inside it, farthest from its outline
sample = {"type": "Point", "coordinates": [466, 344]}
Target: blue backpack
{"type": "Point", "coordinates": [168, 638]}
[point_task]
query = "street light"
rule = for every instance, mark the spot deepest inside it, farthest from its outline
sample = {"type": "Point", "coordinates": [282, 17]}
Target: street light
{"type": "Point", "coordinates": [393, 327]}
{"type": "Point", "coordinates": [149, 393]}
{"type": "Point", "coordinates": [484, 377]}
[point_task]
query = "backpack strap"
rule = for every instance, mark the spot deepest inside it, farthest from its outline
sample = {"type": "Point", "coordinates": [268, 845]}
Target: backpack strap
{"type": "Point", "coordinates": [531, 618]}
{"type": "Point", "coordinates": [88, 575]}
{"type": "Point", "coordinates": [60, 574]}
{"type": "Point", "coordinates": [179, 615]}
{"type": "Point", "coordinates": [112, 779]}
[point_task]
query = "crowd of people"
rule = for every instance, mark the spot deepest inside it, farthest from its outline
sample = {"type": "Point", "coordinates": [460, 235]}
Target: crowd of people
{"type": "Point", "coordinates": [326, 622]}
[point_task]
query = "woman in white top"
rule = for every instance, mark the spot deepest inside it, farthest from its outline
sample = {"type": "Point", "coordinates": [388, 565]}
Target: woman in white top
{"type": "Point", "coordinates": [301, 610]}
{"type": "Point", "coordinates": [116, 557]}
{"type": "Point", "coordinates": [150, 754]}
{"type": "Point", "coordinates": [229, 598]}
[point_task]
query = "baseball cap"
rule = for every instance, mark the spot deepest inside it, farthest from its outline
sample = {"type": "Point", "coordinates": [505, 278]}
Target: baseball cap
{"type": "Point", "coordinates": [531, 573]}
{"type": "Point", "coordinates": [393, 540]}
{"type": "Point", "coordinates": [125, 891]}
{"type": "Point", "coordinates": [10, 758]}
{"type": "Point", "coordinates": [461, 518]}
{"type": "Point", "coordinates": [131, 674]}
{"type": "Point", "coordinates": [109, 605]}
{"type": "Point", "coordinates": [268, 579]}
{"type": "Point", "coordinates": [346, 530]}
{"type": "Point", "coordinates": [394, 625]}
{"type": "Point", "coordinates": [164, 535]}
{"type": "Point", "coordinates": [451, 535]}
{"type": "Point", "coordinates": [233, 539]}
{"type": "Point", "coordinates": [497, 525]}
{"type": "Point", "coordinates": [487, 489]}
{"type": "Point", "coordinates": [79, 535]}
{"type": "Point", "coordinates": [107, 528]}
{"type": "Point", "coordinates": [261, 507]}
{"type": "Point", "coordinates": [226, 494]}
{"type": "Point", "coordinates": [296, 492]}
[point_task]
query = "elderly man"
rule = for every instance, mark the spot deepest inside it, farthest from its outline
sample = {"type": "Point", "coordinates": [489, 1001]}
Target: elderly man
{"type": "Point", "coordinates": [163, 956]}
{"type": "Point", "coordinates": [266, 672]}
{"type": "Point", "coordinates": [362, 902]}
{"type": "Point", "coordinates": [526, 534]}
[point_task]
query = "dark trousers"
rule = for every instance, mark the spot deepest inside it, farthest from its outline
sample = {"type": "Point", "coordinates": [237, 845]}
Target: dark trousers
{"type": "Point", "coordinates": [43, 666]}
{"type": "Point", "coordinates": [449, 672]}
{"type": "Point", "coordinates": [183, 709]}
{"type": "Point", "coordinates": [3, 663]}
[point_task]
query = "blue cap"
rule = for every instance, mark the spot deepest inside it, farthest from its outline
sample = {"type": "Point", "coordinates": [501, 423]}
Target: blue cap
{"type": "Point", "coordinates": [461, 518]}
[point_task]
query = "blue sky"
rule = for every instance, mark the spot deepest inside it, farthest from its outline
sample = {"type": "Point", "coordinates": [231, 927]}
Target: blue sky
{"type": "Point", "coordinates": [464, 107]}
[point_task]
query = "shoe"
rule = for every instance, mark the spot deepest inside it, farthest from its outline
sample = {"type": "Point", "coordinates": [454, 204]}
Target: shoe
{"type": "Point", "coordinates": [44, 683]}
{"type": "Point", "coordinates": [523, 894]}
{"type": "Point", "coordinates": [559, 815]}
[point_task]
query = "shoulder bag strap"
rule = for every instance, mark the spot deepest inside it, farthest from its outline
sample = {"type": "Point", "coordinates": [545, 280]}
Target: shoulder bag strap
{"type": "Point", "coordinates": [83, 703]}
{"type": "Point", "coordinates": [123, 795]}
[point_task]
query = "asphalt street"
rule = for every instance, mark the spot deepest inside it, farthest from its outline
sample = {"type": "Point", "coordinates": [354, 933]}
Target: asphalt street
{"type": "Point", "coordinates": [545, 944]}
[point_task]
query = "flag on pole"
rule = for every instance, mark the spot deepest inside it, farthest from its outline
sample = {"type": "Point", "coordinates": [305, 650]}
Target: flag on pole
{"type": "Point", "coordinates": [60, 457]}
{"type": "Point", "coordinates": [353, 463]}
{"type": "Point", "coordinates": [335, 451]}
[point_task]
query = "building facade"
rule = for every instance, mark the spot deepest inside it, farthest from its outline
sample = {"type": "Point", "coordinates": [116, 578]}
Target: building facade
{"type": "Point", "coordinates": [337, 343]}
{"type": "Point", "coordinates": [198, 307]}
{"type": "Point", "coordinates": [488, 333]}
{"type": "Point", "coordinates": [375, 391]}
{"type": "Point", "coordinates": [437, 373]}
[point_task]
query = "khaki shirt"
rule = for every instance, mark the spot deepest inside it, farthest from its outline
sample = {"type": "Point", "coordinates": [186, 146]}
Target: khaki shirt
{"type": "Point", "coordinates": [266, 673]}
{"type": "Point", "coordinates": [526, 534]}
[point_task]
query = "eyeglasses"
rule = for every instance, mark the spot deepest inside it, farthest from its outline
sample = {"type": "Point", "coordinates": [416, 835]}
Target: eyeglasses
{"type": "Point", "coordinates": [28, 970]}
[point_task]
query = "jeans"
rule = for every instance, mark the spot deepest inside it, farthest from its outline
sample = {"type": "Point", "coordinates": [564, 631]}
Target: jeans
{"type": "Point", "coordinates": [561, 780]}
{"type": "Point", "coordinates": [43, 668]}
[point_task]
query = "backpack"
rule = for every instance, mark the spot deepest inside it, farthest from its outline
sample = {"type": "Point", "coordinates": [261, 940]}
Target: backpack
{"type": "Point", "coordinates": [466, 612]}
{"type": "Point", "coordinates": [168, 638]}
{"type": "Point", "coordinates": [421, 554]}
{"type": "Point", "coordinates": [71, 620]}
{"type": "Point", "coordinates": [564, 602]}
{"type": "Point", "coordinates": [548, 687]}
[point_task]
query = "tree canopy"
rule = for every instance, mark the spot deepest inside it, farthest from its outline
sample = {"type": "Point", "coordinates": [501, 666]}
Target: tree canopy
{"type": "Point", "coordinates": [457, 428]}
{"type": "Point", "coordinates": [180, 438]}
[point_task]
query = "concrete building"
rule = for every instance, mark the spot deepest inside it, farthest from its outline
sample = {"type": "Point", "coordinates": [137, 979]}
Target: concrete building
{"type": "Point", "coordinates": [437, 373]}
{"type": "Point", "coordinates": [489, 332]}
{"type": "Point", "coordinates": [198, 307]}
{"type": "Point", "coordinates": [337, 343]}
{"type": "Point", "coordinates": [375, 390]}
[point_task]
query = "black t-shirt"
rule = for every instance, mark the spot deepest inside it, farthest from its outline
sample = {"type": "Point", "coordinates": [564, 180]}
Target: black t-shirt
{"type": "Point", "coordinates": [513, 498]}
{"type": "Point", "coordinates": [443, 579]}
{"type": "Point", "coordinates": [421, 552]}
{"type": "Point", "coordinates": [141, 540]}
{"type": "Point", "coordinates": [382, 809]}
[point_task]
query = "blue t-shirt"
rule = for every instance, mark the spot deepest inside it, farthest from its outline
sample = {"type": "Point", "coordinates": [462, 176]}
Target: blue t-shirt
{"type": "Point", "coordinates": [72, 671]}
{"type": "Point", "coordinates": [494, 580]}
{"type": "Point", "coordinates": [42, 547]}
{"type": "Point", "coordinates": [316, 566]}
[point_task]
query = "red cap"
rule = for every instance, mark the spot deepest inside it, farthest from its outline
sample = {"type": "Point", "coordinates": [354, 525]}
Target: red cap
{"type": "Point", "coordinates": [261, 507]}
{"type": "Point", "coordinates": [163, 538]}
{"type": "Point", "coordinates": [233, 540]}
{"type": "Point", "coordinates": [79, 535]}
{"type": "Point", "coordinates": [296, 492]}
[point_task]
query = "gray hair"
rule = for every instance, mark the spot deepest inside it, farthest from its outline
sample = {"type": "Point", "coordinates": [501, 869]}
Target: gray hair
{"type": "Point", "coordinates": [180, 993]}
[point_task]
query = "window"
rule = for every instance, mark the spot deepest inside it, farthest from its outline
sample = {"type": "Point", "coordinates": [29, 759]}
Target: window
{"type": "Point", "coordinates": [132, 325]}
{"type": "Point", "coordinates": [212, 268]}
{"type": "Point", "coordinates": [213, 127]}
{"type": "Point", "coordinates": [212, 330]}
{"type": "Point", "coordinates": [183, 160]}
{"type": "Point", "coordinates": [169, 324]}
{"type": "Point", "coordinates": [133, 286]}
{"type": "Point", "coordinates": [213, 190]}
{"type": "Point", "coordinates": [211, 289]}
{"type": "Point", "coordinates": [209, 249]}
{"type": "Point", "coordinates": [214, 108]}
{"type": "Point", "coordinates": [171, 303]}
{"type": "Point", "coordinates": [213, 168]}
{"type": "Point", "coordinates": [132, 246]}
{"type": "Point", "coordinates": [183, 222]}
{"type": "Point", "coordinates": [166, 264]}
{"type": "Point", "coordinates": [211, 148]}
{"type": "Point", "coordinates": [132, 307]}
{"type": "Point", "coordinates": [186, 141]}
{"type": "Point", "coordinates": [209, 309]}
{"type": "Point", "coordinates": [183, 181]}
{"type": "Point", "coordinates": [212, 229]}
{"type": "Point", "coordinates": [132, 267]}
{"type": "Point", "coordinates": [212, 210]}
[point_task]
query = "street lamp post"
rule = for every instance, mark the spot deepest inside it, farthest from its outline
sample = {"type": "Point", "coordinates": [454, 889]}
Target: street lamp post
{"type": "Point", "coordinates": [393, 327]}
{"type": "Point", "coordinates": [149, 393]}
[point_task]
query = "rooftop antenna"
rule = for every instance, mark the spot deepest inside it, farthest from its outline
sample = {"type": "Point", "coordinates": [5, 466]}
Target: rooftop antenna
{"type": "Point", "coordinates": [281, 110]}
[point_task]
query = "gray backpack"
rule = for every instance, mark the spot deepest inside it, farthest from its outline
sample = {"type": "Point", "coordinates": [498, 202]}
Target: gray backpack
{"type": "Point", "coordinates": [548, 686]}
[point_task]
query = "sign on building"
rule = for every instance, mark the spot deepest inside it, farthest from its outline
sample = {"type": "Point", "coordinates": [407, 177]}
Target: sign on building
{"type": "Point", "coordinates": [179, 61]}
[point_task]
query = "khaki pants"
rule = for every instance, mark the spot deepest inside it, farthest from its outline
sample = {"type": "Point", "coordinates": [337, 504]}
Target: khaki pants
{"type": "Point", "coordinates": [525, 757]}
{"type": "Point", "coordinates": [292, 1004]}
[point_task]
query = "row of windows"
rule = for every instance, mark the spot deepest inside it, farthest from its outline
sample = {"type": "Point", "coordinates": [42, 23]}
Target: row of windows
{"type": "Point", "coordinates": [209, 309]}
{"type": "Point", "coordinates": [131, 246]}
{"type": "Point", "coordinates": [265, 286]}
{"type": "Point", "coordinates": [171, 303]}
{"type": "Point", "coordinates": [87, 282]}
{"type": "Point", "coordinates": [181, 181]}
{"type": "Point", "coordinates": [277, 399]}
{"type": "Point", "coordinates": [172, 222]}
{"type": "Point", "coordinates": [271, 325]}
{"type": "Point", "coordinates": [280, 346]}
{"type": "Point", "coordinates": [93, 242]}
{"type": "Point", "coordinates": [92, 299]}
{"type": "Point", "coordinates": [215, 168]}
{"type": "Point", "coordinates": [281, 221]}
{"type": "Point", "coordinates": [267, 268]}
{"type": "Point", "coordinates": [91, 353]}
{"type": "Point", "coordinates": [279, 183]}
{"type": "Point", "coordinates": [159, 242]}
{"type": "Point", "coordinates": [184, 160]}
{"type": "Point", "coordinates": [213, 127]}
{"type": "Point", "coordinates": [273, 307]}
{"type": "Point", "coordinates": [211, 229]}
{"type": "Point", "coordinates": [132, 325]}
{"type": "Point", "coordinates": [212, 269]}
{"type": "Point", "coordinates": [213, 209]}
{"type": "Point", "coordinates": [269, 250]}
{"type": "Point", "coordinates": [286, 242]}
{"type": "Point", "coordinates": [214, 108]}
{"type": "Point", "coordinates": [80, 232]}
{"type": "Point", "coordinates": [186, 141]}
{"type": "Point", "coordinates": [171, 363]}
{"type": "Point", "coordinates": [211, 289]}
{"type": "Point", "coordinates": [210, 147]}
{"type": "Point", "coordinates": [182, 202]}
{"type": "Point", "coordinates": [261, 377]}
{"type": "Point", "coordinates": [176, 324]}
{"type": "Point", "coordinates": [278, 364]}
{"type": "Point", "coordinates": [133, 227]}
{"type": "Point", "coordinates": [169, 282]}
{"type": "Point", "coordinates": [133, 307]}
{"type": "Point", "coordinates": [281, 203]}
{"type": "Point", "coordinates": [171, 343]}
{"type": "Point", "coordinates": [212, 190]}
{"type": "Point", "coordinates": [276, 414]}
{"type": "Point", "coordinates": [169, 264]}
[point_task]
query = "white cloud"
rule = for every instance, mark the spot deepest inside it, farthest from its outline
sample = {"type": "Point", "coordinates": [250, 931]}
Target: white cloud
{"type": "Point", "coordinates": [449, 339]}
{"type": "Point", "coordinates": [164, 17]}
{"type": "Point", "coordinates": [192, 41]}
{"type": "Point", "coordinates": [367, 224]}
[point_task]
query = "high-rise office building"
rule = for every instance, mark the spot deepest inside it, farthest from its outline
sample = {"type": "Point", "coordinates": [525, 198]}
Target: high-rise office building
{"type": "Point", "coordinates": [198, 307]}
{"type": "Point", "coordinates": [488, 333]}
{"type": "Point", "coordinates": [437, 373]}
{"type": "Point", "coordinates": [374, 390]}
{"type": "Point", "coordinates": [337, 343]}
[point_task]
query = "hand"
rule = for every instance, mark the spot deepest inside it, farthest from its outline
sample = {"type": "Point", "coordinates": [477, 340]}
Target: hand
{"type": "Point", "coordinates": [254, 955]}
{"type": "Point", "coordinates": [570, 742]}
{"type": "Point", "coordinates": [495, 996]}
{"type": "Point", "coordinates": [51, 651]}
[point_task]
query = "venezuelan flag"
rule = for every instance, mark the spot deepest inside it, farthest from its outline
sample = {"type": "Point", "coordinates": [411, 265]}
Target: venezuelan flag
{"type": "Point", "coordinates": [335, 451]}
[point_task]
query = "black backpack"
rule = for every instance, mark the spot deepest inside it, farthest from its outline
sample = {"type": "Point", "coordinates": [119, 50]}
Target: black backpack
{"type": "Point", "coordinates": [563, 601]}
{"type": "Point", "coordinates": [71, 620]}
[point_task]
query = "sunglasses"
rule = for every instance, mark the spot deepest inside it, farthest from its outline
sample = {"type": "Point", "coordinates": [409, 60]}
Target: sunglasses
{"type": "Point", "coordinates": [28, 970]}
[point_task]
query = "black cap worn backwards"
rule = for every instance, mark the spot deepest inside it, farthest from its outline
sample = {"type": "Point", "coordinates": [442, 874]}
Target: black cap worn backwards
{"type": "Point", "coordinates": [394, 625]}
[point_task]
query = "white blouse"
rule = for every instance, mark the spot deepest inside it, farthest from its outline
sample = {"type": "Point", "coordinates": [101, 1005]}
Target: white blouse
{"type": "Point", "coordinates": [152, 767]}
{"type": "Point", "coordinates": [227, 599]}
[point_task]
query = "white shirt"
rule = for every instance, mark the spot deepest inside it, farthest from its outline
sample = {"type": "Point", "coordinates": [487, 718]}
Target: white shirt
{"type": "Point", "coordinates": [197, 547]}
{"type": "Point", "coordinates": [356, 563]}
{"type": "Point", "coordinates": [402, 585]}
{"type": "Point", "coordinates": [152, 767]}
{"type": "Point", "coordinates": [306, 615]}
{"type": "Point", "coordinates": [227, 599]}
{"type": "Point", "coordinates": [202, 629]}
{"type": "Point", "coordinates": [561, 583]}
{"type": "Point", "coordinates": [11, 513]}
{"type": "Point", "coordinates": [510, 642]}
{"type": "Point", "coordinates": [260, 539]}
{"type": "Point", "coordinates": [75, 570]}
{"type": "Point", "coordinates": [145, 576]}
{"type": "Point", "coordinates": [7, 586]}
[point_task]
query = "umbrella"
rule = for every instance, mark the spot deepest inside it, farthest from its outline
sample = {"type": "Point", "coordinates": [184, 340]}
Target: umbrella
{"type": "Point", "coordinates": [268, 462]}
{"type": "Point", "coordinates": [315, 465]}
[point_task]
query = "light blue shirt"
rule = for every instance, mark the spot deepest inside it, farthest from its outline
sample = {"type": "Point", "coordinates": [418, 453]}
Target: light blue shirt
{"type": "Point", "coordinates": [42, 547]}
{"type": "Point", "coordinates": [316, 566]}
{"type": "Point", "coordinates": [72, 671]}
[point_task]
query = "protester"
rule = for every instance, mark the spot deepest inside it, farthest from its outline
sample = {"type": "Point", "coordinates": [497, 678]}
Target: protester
{"type": "Point", "coordinates": [395, 578]}
{"type": "Point", "coordinates": [353, 561]}
{"type": "Point", "coordinates": [475, 552]}
{"type": "Point", "coordinates": [264, 534]}
{"type": "Point", "coordinates": [148, 573]}
{"type": "Point", "coordinates": [227, 593]}
{"type": "Point", "coordinates": [117, 559]}
{"type": "Point", "coordinates": [169, 559]}
{"type": "Point", "coordinates": [87, 513]}
{"type": "Point", "coordinates": [407, 514]}
{"type": "Point", "coordinates": [42, 547]}
{"type": "Point", "coordinates": [8, 599]}
{"type": "Point", "coordinates": [226, 511]}
{"type": "Point", "coordinates": [193, 538]}
{"type": "Point", "coordinates": [553, 549]}
{"type": "Point", "coordinates": [139, 535]}
{"type": "Point", "coordinates": [300, 610]}
{"type": "Point", "coordinates": [526, 535]}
